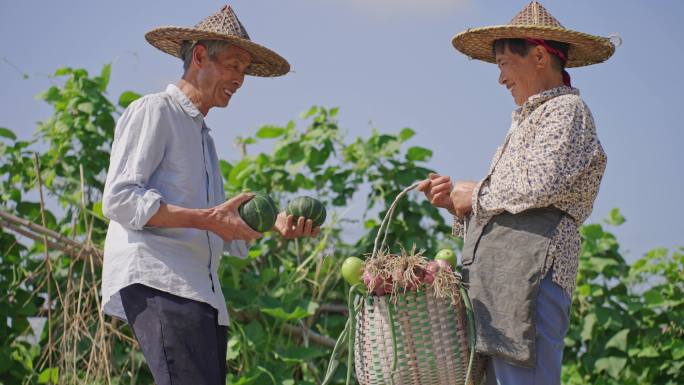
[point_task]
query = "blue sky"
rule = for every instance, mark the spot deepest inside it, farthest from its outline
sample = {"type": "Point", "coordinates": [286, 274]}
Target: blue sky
{"type": "Point", "coordinates": [389, 64]}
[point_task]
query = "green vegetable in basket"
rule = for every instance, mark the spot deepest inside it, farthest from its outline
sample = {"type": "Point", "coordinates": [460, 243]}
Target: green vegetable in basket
{"type": "Point", "coordinates": [352, 269]}
{"type": "Point", "coordinates": [446, 255]}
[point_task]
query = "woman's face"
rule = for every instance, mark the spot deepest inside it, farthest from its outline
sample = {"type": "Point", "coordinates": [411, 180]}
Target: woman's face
{"type": "Point", "coordinates": [518, 73]}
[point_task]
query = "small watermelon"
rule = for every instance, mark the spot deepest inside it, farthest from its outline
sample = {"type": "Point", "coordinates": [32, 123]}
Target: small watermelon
{"type": "Point", "coordinates": [307, 207]}
{"type": "Point", "coordinates": [259, 213]}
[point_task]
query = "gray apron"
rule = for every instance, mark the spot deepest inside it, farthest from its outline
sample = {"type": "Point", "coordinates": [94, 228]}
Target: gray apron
{"type": "Point", "coordinates": [503, 261]}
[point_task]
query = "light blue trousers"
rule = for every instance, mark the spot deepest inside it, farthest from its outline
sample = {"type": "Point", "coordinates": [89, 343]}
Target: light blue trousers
{"type": "Point", "coordinates": [552, 317]}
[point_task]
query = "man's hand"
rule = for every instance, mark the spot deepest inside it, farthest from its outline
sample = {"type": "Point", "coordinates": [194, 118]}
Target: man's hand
{"type": "Point", "coordinates": [227, 223]}
{"type": "Point", "coordinates": [462, 197]}
{"type": "Point", "coordinates": [286, 226]}
{"type": "Point", "coordinates": [436, 189]}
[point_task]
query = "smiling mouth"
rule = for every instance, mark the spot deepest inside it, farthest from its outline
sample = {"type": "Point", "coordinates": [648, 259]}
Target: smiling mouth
{"type": "Point", "coordinates": [228, 92]}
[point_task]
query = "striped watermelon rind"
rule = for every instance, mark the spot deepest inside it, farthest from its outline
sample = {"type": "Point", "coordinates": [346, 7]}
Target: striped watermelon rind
{"type": "Point", "coordinates": [260, 212]}
{"type": "Point", "coordinates": [309, 208]}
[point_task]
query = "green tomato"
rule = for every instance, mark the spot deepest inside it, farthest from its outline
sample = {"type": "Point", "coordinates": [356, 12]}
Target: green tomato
{"type": "Point", "coordinates": [447, 255]}
{"type": "Point", "coordinates": [352, 268]}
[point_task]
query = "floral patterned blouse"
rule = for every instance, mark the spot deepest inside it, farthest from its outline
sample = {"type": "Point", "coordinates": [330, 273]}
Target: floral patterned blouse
{"type": "Point", "coordinates": [551, 157]}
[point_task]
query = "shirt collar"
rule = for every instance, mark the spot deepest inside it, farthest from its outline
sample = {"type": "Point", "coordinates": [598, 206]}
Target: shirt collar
{"type": "Point", "coordinates": [183, 100]}
{"type": "Point", "coordinates": [537, 100]}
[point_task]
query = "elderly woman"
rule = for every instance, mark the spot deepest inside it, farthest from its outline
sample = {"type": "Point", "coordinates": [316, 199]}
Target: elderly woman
{"type": "Point", "coordinates": [522, 243]}
{"type": "Point", "coordinates": [164, 194]}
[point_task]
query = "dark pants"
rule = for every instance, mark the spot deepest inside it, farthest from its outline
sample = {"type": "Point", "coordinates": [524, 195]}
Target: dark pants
{"type": "Point", "coordinates": [180, 338]}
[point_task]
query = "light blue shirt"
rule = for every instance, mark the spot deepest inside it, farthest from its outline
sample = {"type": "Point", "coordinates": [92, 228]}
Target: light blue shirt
{"type": "Point", "coordinates": [162, 152]}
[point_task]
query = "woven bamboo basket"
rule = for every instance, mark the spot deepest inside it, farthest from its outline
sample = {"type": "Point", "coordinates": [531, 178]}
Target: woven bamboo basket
{"type": "Point", "coordinates": [419, 340]}
{"type": "Point", "coordinates": [413, 338]}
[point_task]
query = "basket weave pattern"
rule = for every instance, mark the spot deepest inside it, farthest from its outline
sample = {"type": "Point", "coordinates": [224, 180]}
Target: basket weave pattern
{"type": "Point", "coordinates": [431, 341]}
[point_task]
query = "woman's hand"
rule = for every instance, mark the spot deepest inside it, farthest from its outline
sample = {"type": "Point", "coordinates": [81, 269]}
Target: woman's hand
{"type": "Point", "coordinates": [437, 189]}
{"type": "Point", "coordinates": [461, 197]}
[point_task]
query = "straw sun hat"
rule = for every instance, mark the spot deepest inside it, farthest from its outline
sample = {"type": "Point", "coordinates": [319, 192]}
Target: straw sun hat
{"type": "Point", "coordinates": [223, 25]}
{"type": "Point", "coordinates": [535, 22]}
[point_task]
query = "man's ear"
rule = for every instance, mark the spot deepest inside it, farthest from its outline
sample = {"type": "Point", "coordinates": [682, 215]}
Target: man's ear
{"type": "Point", "coordinates": [199, 55]}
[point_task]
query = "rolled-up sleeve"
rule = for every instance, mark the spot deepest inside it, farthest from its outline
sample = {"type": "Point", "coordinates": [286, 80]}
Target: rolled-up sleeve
{"type": "Point", "coordinates": [137, 151]}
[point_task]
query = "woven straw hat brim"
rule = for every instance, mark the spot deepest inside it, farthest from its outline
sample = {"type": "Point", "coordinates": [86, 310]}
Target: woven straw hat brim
{"type": "Point", "coordinates": [265, 62]}
{"type": "Point", "coordinates": [584, 50]}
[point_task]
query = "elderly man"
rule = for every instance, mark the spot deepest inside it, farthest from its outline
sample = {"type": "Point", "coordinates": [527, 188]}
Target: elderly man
{"type": "Point", "coordinates": [164, 194]}
{"type": "Point", "coordinates": [521, 247]}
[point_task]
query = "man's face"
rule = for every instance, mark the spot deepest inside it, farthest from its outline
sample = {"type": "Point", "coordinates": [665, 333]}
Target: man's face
{"type": "Point", "coordinates": [220, 77]}
{"type": "Point", "coordinates": [519, 74]}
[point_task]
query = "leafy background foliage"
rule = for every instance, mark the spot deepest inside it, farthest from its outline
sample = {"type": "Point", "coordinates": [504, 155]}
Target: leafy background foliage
{"type": "Point", "coordinates": [286, 300]}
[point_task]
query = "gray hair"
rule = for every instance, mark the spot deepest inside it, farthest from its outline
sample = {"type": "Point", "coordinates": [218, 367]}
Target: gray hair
{"type": "Point", "coordinates": [213, 48]}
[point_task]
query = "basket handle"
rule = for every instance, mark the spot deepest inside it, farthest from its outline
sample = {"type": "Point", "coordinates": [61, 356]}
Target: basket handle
{"type": "Point", "coordinates": [384, 226]}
